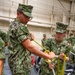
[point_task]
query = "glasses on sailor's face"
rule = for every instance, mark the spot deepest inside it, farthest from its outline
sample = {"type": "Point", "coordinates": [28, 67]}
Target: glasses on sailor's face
{"type": "Point", "coordinates": [29, 18]}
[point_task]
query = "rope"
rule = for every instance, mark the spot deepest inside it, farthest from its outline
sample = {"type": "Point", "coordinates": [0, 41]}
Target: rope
{"type": "Point", "coordinates": [48, 61]}
{"type": "Point", "coordinates": [45, 50]}
{"type": "Point", "coordinates": [40, 45]}
{"type": "Point", "coordinates": [63, 67]}
{"type": "Point", "coordinates": [61, 72]}
{"type": "Point", "coordinates": [58, 64]}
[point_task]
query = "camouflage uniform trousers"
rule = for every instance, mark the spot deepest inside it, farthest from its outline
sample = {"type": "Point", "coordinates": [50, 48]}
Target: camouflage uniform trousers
{"type": "Point", "coordinates": [45, 70]}
{"type": "Point", "coordinates": [21, 74]}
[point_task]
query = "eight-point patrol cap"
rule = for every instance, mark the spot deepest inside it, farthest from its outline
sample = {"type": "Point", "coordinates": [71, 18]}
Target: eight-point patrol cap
{"type": "Point", "coordinates": [44, 34]}
{"type": "Point", "coordinates": [26, 9]}
{"type": "Point", "coordinates": [61, 28]}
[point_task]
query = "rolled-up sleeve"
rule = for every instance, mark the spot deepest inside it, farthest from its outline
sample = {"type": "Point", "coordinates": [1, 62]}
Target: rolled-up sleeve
{"type": "Point", "coordinates": [2, 55]}
{"type": "Point", "coordinates": [2, 52]}
{"type": "Point", "coordinates": [23, 34]}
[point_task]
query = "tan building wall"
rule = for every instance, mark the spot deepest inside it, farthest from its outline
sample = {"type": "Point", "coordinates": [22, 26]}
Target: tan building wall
{"type": "Point", "coordinates": [45, 15]}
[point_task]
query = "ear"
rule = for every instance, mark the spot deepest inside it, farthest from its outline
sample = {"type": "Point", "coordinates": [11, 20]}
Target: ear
{"type": "Point", "coordinates": [18, 13]}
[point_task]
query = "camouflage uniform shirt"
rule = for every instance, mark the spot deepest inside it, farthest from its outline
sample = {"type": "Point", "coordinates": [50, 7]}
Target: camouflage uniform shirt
{"type": "Point", "coordinates": [19, 59]}
{"type": "Point", "coordinates": [2, 40]}
{"type": "Point", "coordinates": [2, 45]}
{"type": "Point", "coordinates": [57, 49]}
{"type": "Point", "coordinates": [71, 40]}
{"type": "Point", "coordinates": [43, 42]}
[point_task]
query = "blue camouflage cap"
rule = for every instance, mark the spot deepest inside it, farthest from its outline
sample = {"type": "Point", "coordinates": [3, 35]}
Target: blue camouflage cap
{"type": "Point", "coordinates": [26, 9]}
{"type": "Point", "coordinates": [61, 28]}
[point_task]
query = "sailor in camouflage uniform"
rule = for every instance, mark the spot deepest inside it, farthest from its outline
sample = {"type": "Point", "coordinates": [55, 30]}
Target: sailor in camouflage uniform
{"type": "Point", "coordinates": [39, 59]}
{"type": "Point", "coordinates": [58, 46]}
{"type": "Point", "coordinates": [72, 37]}
{"type": "Point", "coordinates": [44, 40]}
{"type": "Point", "coordinates": [71, 40]}
{"type": "Point", "coordinates": [2, 52]}
{"type": "Point", "coordinates": [19, 43]}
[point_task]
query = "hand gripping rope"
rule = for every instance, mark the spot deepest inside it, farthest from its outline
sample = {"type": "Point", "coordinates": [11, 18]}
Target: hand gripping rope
{"type": "Point", "coordinates": [58, 63]}
{"type": "Point", "coordinates": [48, 61]}
{"type": "Point", "coordinates": [61, 72]}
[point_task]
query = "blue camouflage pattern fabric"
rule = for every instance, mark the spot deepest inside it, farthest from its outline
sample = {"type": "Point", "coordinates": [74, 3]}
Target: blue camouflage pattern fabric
{"type": "Point", "coordinates": [52, 45]}
{"type": "Point", "coordinates": [19, 59]}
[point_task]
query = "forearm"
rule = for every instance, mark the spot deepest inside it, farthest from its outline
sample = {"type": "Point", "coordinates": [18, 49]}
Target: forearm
{"type": "Point", "coordinates": [1, 66]}
{"type": "Point", "coordinates": [30, 47]}
{"type": "Point", "coordinates": [36, 51]}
